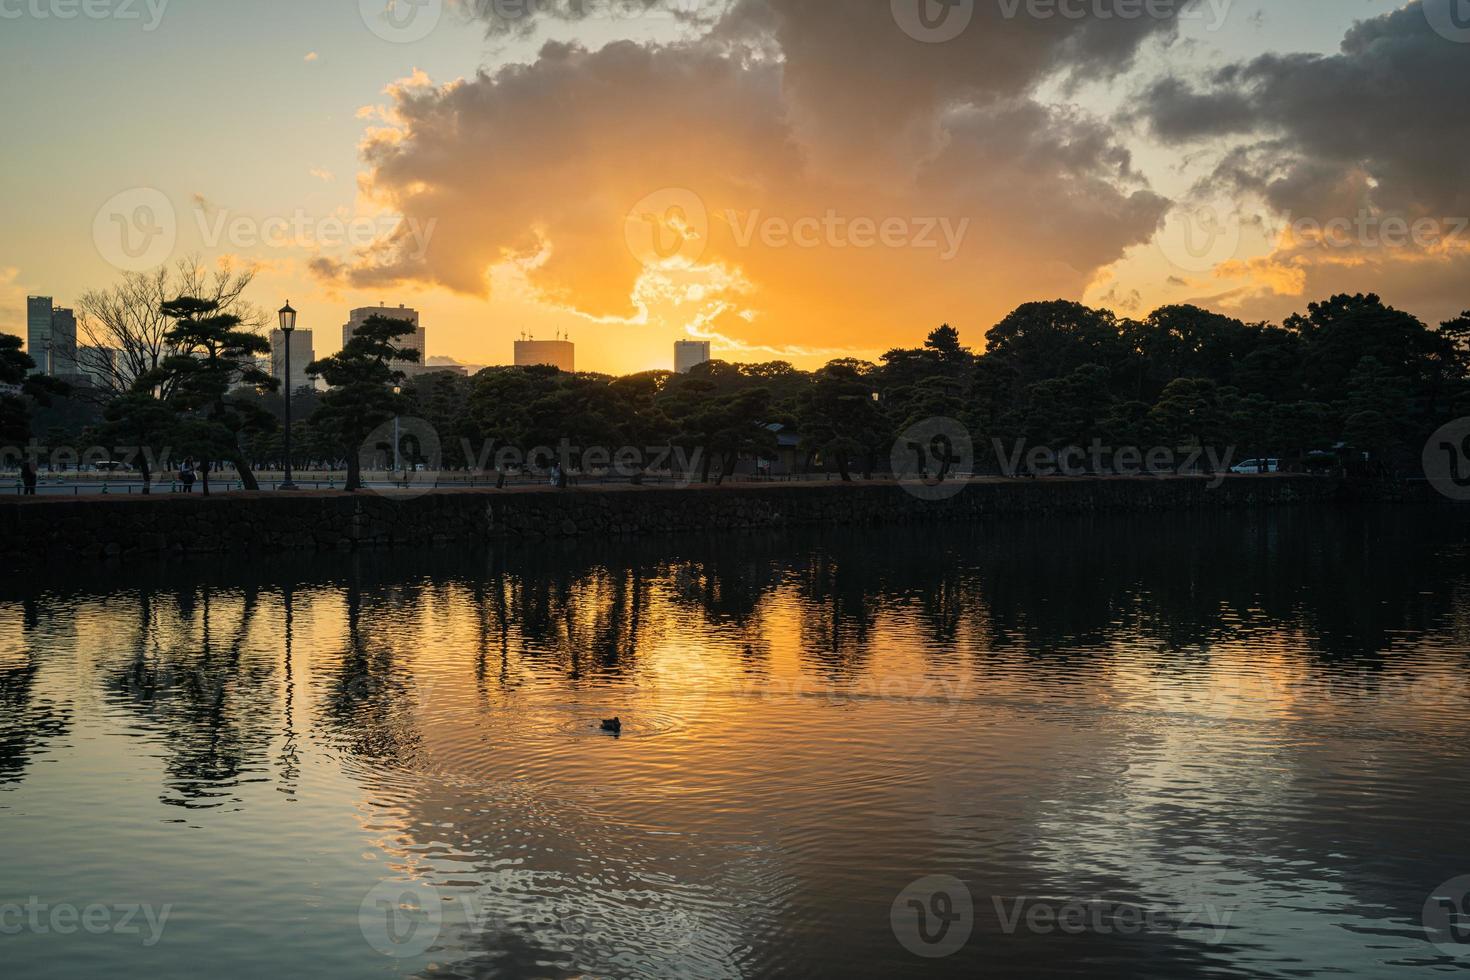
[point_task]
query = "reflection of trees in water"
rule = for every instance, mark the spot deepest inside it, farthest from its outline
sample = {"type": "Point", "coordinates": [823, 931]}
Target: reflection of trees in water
{"type": "Point", "coordinates": [492, 634]}
{"type": "Point", "coordinates": [211, 705]}
{"type": "Point", "coordinates": [1356, 584]}
{"type": "Point", "coordinates": [1353, 583]}
{"type": "Point", "coordinates": [839, 609]}
{"type": "Point", "coordinates": [726, 584]}
{"type": "Point", "coordinates": [577, 612]}
{"type": "Point", "coordinates": [29, 721]}
{"type": "Point", "coordinates": [1348, 581]}
{"type": "Point", "coordinates": [366, 702]}
{"type": "Point", "coordinates": [728, 580]}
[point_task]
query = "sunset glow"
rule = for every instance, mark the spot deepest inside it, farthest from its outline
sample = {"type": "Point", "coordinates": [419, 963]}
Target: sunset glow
{"type": "Point", "coordinates": [492, 172]}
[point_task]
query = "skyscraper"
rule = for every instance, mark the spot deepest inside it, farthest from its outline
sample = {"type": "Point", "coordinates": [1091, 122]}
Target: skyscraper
{"type": "Point", "coordinates": [418, 341]}
{"type": "Point", "coordinates": [302, 353]}
{"type": "Point", "coordinates": [560, 354]}
{"type": "Point", "coordinates": [38, 332]}
{"type": "Point", "coordinates": [690, 354]}
{"type": "Point", "coordinates": [64, 343]}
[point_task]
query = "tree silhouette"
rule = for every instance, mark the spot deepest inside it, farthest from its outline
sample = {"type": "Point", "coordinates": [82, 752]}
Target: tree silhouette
{"type": "Point", "coordinates": [15, 411]}
{"type": "Point", "coordinates": [138, 420]}
{"type": "Point", "coordinates": [361, 397]}
{"type": "Point", "coordinates": [838, 417]}
{"type": "Point", "coordinates": [213, 356]}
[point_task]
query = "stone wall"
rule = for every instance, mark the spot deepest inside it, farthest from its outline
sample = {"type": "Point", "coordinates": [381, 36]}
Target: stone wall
{"type": "Point", "coordinates": [63, 529]}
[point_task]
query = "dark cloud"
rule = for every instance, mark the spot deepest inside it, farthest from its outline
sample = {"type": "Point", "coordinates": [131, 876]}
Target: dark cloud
{"type": "Point", "coordinates": [1343, 152]}
{"type": "Point", "coordinates": [857, 87]}
{"type": "Point", "coordinates": [1374, 125]}
{"type": "Point", "coordinates": [522, 17]}
{"type": "Point", "coordinates": [1179, 112]}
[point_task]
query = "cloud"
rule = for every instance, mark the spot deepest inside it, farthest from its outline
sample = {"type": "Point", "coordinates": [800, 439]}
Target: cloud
{"type": "Point", "coordinates": [848, 115]}
{"type": "Point", "coordinates": [1341, 151]}
{"type": "Point", "coordinates": [522, 18]}
{"type": "Point", "coordinates": [821, 203]}
{"type": "Point", "coordinates": [311, 56]}
{"type": "Point", "coordinates": [323, 174]}
{"type": "Point", "coordinates": [12, 297]}
{"type": "Point", "coordinates": [1130, 302]}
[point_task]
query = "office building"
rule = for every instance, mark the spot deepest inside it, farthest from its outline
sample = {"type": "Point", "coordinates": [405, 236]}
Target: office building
{"type": "Point", "coordinates": [417, 340]}
{"type": "Point", "coordinates": [101, 366]}
{"type": "Point", "coordinates": [560, 354]}
{"type": "Point", "coordinates": [690, 354]}
{"type": "Point", "coordinates": [64, 343]}
{"type": "Point", "coordinates": [302, 353]}
{"type": "Point", "coordinates": [51, 337]}
{"type": "Point", "coordinates": [38, 332]}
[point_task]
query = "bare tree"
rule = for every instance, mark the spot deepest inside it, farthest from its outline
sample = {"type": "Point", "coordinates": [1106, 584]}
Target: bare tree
{"type": "Point", "coordinates": [123, 333]}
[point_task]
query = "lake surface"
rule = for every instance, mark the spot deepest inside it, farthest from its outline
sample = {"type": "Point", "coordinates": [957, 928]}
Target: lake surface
{"type": "Point", "coordinates": [1220, 746]}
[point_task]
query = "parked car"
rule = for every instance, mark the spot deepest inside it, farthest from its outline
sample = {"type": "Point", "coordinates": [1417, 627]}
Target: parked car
{"type": "Point", "coordinates": [1257, 466]}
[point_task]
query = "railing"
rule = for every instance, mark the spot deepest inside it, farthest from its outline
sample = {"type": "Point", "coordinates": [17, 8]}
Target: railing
{"type": "Point", "coordinates": [54, 488]}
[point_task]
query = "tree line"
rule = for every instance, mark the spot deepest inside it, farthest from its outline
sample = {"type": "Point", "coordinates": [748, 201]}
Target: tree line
{"type": "Point", "coordinates": [1349, 378]}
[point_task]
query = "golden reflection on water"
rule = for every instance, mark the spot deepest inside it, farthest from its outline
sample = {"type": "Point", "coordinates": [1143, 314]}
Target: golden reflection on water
{"type": "Point", "coordinates": [809, 725]}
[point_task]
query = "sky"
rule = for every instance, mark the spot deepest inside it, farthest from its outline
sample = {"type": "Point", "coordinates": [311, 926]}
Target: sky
{"type": "Point", "coordinates": [790, 179]}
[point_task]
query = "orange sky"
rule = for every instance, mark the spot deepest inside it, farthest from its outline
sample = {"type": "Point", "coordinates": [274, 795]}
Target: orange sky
{"type": "Point", "coordinates": [788, 180]}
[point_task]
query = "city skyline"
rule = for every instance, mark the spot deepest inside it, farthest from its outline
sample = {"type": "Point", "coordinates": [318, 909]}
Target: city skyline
{"type": "Point", "coordinates": [526, 350]}
{"type": "Point", "coordinates": [51, 336]}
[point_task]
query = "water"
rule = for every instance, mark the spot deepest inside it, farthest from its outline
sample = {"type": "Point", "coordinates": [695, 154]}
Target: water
{"type": "Point", "coordinates": [1245, 732]}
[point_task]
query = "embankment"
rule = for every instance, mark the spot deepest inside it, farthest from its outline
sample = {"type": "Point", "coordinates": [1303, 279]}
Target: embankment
{"type": "Point", "coordinates": [65, 529]}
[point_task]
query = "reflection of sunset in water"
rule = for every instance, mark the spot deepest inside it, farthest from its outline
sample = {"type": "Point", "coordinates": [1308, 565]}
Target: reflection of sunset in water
{"type": "Point", "coordinates": [1269, 729]}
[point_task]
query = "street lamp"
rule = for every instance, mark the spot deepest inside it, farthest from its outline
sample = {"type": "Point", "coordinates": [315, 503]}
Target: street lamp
{"type": "Point", "coordinates": [397, 456]}
{"type": "Point", "coordinates": [288, 327]}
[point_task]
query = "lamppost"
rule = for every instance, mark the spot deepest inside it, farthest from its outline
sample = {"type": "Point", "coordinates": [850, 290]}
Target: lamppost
{"type": "Point", "coordinates": [288, 327]}
{"type": "Point", "coordinates": [397, 456]}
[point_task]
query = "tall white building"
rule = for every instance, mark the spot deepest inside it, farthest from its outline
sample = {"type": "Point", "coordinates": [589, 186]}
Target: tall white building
{"type": "Point", "coordinates": [690, 354]}
{"type": "Point", "coordinates": [418, 340]}
{"type": "Point", "coordinates": [302, 354]}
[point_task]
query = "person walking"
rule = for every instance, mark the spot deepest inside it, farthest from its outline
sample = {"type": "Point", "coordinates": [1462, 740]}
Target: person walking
{"type": "Point", "coordinates": [28, 478]}
{"type": "Point", "coordinates": [186, 476]}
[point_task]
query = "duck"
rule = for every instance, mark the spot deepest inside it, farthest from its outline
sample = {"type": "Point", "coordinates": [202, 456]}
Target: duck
{"type": "Point", "coordinates": [613, 725]}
